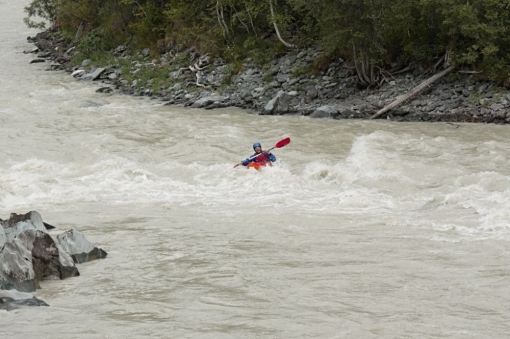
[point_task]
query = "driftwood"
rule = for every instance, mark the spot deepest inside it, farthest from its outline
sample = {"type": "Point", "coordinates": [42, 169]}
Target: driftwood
{"type": "Point", "coordinates": [413, 92]}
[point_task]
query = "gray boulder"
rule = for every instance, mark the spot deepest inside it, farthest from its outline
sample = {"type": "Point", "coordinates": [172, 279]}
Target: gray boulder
{"type": "Point", "coordinates": [16, 270]}
{"type": "Point", "coordinates": [18, 223]}
{"type": "Point", "coordinates": [93, 75]}
{"type": "Point", "coordinates": [80, 249]}
{"type": "Point", "coordinates": [12, 300]}
{"type": "Point", "coordinates": [49, 261]}
{"type": "Point", "coordinates": [3, 237]}
{"type": "Point", "coordinates": [279, 104]}
{"type": "Point", "coordinates": [206, 101]}
{"type": "Point", "coordinates": [324, 112]}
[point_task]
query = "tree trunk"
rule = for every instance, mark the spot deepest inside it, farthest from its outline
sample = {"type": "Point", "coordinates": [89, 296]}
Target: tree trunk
{"type": "Point", "coordinates": [276, 28]}
{"type": "Point", "coordinates": [413, 92]}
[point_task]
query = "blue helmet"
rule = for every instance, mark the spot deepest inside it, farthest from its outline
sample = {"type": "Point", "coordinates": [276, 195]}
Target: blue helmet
{"type": "Point", "coordinates": [257, 144]}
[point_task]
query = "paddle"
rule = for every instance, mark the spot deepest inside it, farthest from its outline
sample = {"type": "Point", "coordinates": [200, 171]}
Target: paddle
{"type": "Point", "coordinates": [279, 144]}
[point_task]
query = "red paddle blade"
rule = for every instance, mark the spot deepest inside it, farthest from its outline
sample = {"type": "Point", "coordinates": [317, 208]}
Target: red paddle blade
{"type": "Point", "coordinates": [283, 142]}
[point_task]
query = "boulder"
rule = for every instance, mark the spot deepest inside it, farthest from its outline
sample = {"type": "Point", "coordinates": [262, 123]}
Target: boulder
{"type": "Point", "coordinates": [206, 101]}
{"type": "Point", "coordinates": [80, 249]}
{"type": "Point", "coordinates": [49, 260]}
{"type": "Point", "coordinates": [12, 299]}
{"type": "Point", "coordinates": [16, 271]}
{"type": "Point", "coordinates": [279, 104]}
{"type": "Point", "coordinates": [93, 75]}
{"type": "Point", "coordinates": [324, 112]}
{"type": "Point", "coordinates": [3, 237]}
{"type": "Point", "coordinates": [18, 223]}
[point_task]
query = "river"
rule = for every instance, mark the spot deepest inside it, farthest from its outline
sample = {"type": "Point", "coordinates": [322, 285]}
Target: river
{"type": "Point", "coordinates": [362, 229]}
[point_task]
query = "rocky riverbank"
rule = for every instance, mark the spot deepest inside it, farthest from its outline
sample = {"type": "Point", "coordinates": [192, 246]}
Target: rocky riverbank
{"type": "Point", "coordinates": [284, 86]}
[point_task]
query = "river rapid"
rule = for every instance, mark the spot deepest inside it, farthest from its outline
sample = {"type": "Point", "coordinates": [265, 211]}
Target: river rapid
{"type": "Point", "coordinates": [362, 229]}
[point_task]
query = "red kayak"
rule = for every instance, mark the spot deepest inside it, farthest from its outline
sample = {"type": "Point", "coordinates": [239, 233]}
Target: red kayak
{"type": "Point", "coordinates": [258, 165]}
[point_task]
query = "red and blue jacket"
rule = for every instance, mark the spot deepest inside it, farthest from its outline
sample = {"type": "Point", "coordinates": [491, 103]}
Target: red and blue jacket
{"type": "Point", "coordinates": [261, 158]}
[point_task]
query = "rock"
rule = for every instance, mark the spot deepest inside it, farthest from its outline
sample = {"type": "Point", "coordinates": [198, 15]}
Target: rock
{"type": "Point", "coordinates": [18, 223]}
{"type": "Point", "coordinates": [3, 237]}
{"type": "Point", "coordinates": [35, 61]}
{"type": "Point", "coordinates": [49, 261]}
{"type": "Point", "coordinates": [274, 84]}
{"type": "Point", "coordinates": [445, 95]}
{"type": "Point", "coordinates": [78, 73]}
{"type": "Point", "coordinates": [86, 63]}
{"type": "Point", "coordinates": [282, 78]}
{"type": "Point", "coordinates": [93, 75]}
{"type": "Point", "coordinates": [120, 49]}
{"type": "Point", "coordinates": [279, 104]}
{"type": "Point", "coordinates": [12, 300]}
{"type": "Point", "coordinates": [312, 92]}
{"type": "Point", "coordinates": [32, 50]}
{"type": "Point", "coordinates": [176, 87]}
{"type": "Point", "coordinates": [482, 88]}
{"type": "Point", "coordinates": [104, 90]}
{"type": "Point", "coordinates": [29, 254]}
{"type": "Point", "coordinates": [324, 112]}
{"type": "Point", "coordinates": [16, 271]}
{"type": "Point", "coordinates": [206, 101]}
{"type": "Point", "coordinates": [145, 52]}
{"type": "Point", "coordinates": [80, 249]}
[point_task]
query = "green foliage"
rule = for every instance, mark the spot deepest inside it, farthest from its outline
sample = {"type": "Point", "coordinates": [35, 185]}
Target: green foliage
{"type": "Point", "coordinates": [45, 9]}
{"type": "Point", "coordinates": [94, 41]}
{"type": "Point", "coordinates": [369, 33]}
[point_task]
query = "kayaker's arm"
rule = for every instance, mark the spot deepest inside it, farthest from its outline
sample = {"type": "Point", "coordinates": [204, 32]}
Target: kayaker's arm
{"type": "Point", "coordinates": [246, 161]}
{"type": "Point", "coordinates": [271, 156]}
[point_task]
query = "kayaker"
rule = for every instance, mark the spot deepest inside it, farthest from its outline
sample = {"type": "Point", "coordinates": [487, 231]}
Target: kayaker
{"type": "Point", "coordinates": [259, 157]}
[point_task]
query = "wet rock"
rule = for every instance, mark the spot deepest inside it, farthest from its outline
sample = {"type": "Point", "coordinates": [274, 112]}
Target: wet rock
{"type": "Point", "coordinates": [93, 75]}
{"type": "Point", "coordinates": [12, 300]}
{"type": "Point", "coordinates": [104, 90]}
{"type": "Point", "coordinates": [29, 254]}
{"type": "Point", "coordinates": [3, 237]}
{"type": "Point", "coordinates": [16, 271]}
{"type": "Point", "coordinates": [18, 223]}
{"type": "Point", "coordinates": [31, 50]}
{"type": "Point", "coordinates": [208, 100]}
{"type": "Point", "coordinates": [80, 249]}
{"type": "Point", "coordinates": [324, 112]}
{"type": "Point", "coordinates": [49, 262]}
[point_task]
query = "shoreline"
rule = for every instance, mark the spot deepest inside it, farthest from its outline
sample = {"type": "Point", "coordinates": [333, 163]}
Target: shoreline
{"type": "Point", "coordinates": [282, 87]}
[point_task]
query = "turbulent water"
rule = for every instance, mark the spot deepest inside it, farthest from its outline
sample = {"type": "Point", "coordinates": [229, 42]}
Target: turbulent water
{"type": "Point", "coordinates": [361, 229]}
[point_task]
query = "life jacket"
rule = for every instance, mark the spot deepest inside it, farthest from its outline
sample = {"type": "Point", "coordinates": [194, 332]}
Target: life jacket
{"type": "Point", "coordinates": [262, 159]}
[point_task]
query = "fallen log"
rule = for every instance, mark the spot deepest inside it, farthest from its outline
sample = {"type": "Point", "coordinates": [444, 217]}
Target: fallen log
{"type": "Point", "coordinates": [413, 92]}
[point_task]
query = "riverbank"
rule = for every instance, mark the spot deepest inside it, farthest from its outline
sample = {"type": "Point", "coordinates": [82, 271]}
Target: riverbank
{"type": "Point", "coordinates": [294, 83]}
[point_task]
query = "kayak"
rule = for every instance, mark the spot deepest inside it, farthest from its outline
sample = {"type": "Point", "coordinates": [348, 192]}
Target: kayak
{"type": "Point", "coordinates": [257, 165]}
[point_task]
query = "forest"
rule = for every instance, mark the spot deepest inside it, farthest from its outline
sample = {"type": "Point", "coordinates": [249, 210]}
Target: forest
{"type": "Point", "coordinates": [373, 35]}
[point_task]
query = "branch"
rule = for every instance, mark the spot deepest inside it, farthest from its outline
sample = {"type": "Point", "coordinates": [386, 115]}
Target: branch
{"type": "Point", "coordinates": [276, 28]}
{"type": "Point", "coordinates": [136, 2]}
{"type": "Point", "coordinates": [413, 92]}
{"type": "Point", "coordinates": [221, 19]}
{"type": "Point", "coordinates": [251, 19]}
